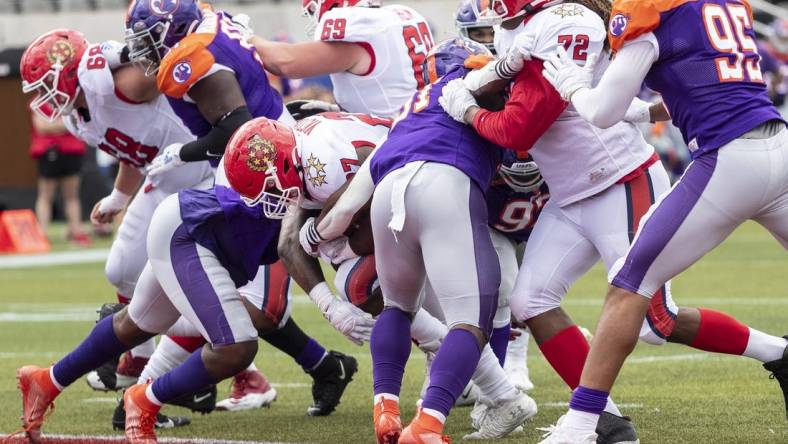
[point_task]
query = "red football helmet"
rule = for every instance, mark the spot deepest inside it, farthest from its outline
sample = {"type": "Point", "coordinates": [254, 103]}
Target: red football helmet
{"type": "Point", "coordinates": [314, 9]}
{"type": "Point", "coordinates": [506, 9]}
{"type": "Point", "coordinates": [263, 165]}
{"type": "Point", "coordinates": [49, 67]}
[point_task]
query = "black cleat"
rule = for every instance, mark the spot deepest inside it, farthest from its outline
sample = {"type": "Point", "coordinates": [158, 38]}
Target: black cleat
{"type": "Point", "coordinates": [203, 401]}
{"type": "Point", "coordinates": [162, 421]}
{"type": "Point", "coordinates": [612, 429]}
{"type": "Point", "coordinates": [779, 370]}
{"type": "Point", "coordinates": [105, 378]}
{"type": "Point", "coordinates": [331, 378]}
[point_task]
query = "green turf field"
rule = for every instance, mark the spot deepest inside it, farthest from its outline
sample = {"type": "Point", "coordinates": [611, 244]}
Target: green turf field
{"type": "Point", "coordinates": [674, 394]}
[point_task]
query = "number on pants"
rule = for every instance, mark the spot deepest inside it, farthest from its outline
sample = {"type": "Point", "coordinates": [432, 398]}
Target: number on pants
{"type": "Point", "coordinates": [126, 149]}
{"type": "Point", "coordinates": [725, 28]}
{"type": "Point", "coordinates": [418, 39]}
{"type": "Point", "coordinates": [581, 41]}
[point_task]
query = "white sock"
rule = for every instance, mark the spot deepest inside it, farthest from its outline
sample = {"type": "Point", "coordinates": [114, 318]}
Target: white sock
{"type": "Point", "coordinates": [151, 397]}
{"type": "Point", "coordinates": [764, 347]}
{"type": "Point", "coordinates": [580, 424]}
{"type": "Point", "coordinates": [491, 379]}
{"type": "Point", "coordinates": [435, 414]}
{"type": "Point", "coordinates": [167, 356]}
{"type": "Point", "coordinates": [144, 350]}
{"type": "Point", "coordinates": [251, 368]}
{"type": "Point", "coordinates": [388, 396]}
{"type": "Point", "coordinates": [612, 408]}
{"type": "Point", "coordinates": [517, 350]}
{"type": "Point", "coordinates": [54, 381]}
{"type": "Point", "coordinates": [428, 331]}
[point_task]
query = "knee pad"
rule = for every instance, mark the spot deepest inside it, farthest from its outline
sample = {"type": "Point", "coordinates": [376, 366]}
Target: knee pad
{"type": "Point", "coordinates": [357, 279]}
{"type": "Point", "coordinates": [533, 296]}
{"type": "Point", "coordinates": [649, 335]}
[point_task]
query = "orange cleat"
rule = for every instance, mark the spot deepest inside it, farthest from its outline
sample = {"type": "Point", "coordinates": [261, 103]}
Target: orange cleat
{"type": "Point", "coordinates": [388, 425]}
{"type": "Point", "coordinates": [424, 429]}
{"type": "Point", "coordinates": [140, 415]}
{"type": "Point", "coordinates": [38, 394]}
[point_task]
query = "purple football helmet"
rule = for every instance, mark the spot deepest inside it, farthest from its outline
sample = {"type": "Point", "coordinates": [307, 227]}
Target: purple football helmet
{"type": "Point", "coordinates": [467, 19]}
{"type": "Point", "coordinates": [155, 26]}
{"type": "Point", "coordinates": [448, 54]}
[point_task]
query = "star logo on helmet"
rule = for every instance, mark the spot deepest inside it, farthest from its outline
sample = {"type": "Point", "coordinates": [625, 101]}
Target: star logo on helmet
{"type": "Point", "coordinates": [315, 171]}
{"type": "Point", "coordinates": [568, 10]}
{"type": "Point", "coordinates": [61, 52]}
{"type": "Point", "coordinates": [261, 153]}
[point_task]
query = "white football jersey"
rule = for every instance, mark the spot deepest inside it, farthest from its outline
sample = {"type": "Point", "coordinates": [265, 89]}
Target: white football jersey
{"type": "Point", "coordinates": [398, 40]}
{"type": "Point", "coordinates": [577, 159]}
{"type": "Point", "coordinates": [131, 132]}
{"type": "Point", "coordinates": [328, 144]}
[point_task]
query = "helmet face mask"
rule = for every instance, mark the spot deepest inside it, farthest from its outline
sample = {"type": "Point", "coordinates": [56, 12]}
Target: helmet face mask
{"type": "Point", "coordinates": [277, 201]}
{"type": "Point", "coordinates": [522, 177]}
{"type": "Point", "coordinates": [50, 103]}
{"type": "Point", "coordinates": [446, 55]}
{"type": "Point", "coordinates": [470, 25]}
{"type": "Point", "coordinates": [146, 45]}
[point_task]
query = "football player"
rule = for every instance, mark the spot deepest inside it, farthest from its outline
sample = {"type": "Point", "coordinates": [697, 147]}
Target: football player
{"type": "Point", "coordinates": [215, 81]}
{"type": "Point", "coordinates": [374, 54]}
{"type": "Point", "coordinates": [471, 26]}
{"type": "Point", "coordinates": [712, 85]}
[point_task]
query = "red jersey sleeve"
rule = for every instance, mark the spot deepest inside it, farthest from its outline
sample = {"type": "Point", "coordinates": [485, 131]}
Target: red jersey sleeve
{"type": "Point", "coordinates": [532, 108]}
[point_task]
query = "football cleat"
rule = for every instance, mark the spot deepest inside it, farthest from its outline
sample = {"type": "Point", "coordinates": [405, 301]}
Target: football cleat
{"type": "Point", "coordinates": [612, 429]}
{"type": "Point", "coordinates": [779, 371]}
{"type": "Point", "coordinates": [424, 429]}
{"type": "Point", "coordinates": [558, 434]}
{"type": "Point", "coordinates": [203, 401]}
{"type": "Point", "coordinates": [140, 415]}
{"type": "Point", "coordinates": [251, 390]}
{"type": "Point", "coordinates": [104, 378]}
{"type": "Point", "coordinates": [504, 417]}
{"type": "Point", "coordinates": [162, 421]}
{"type": "Point", "coordinates": [38, 394]}
{"type": "Point", "coordinates": [388, 425]}
{"type": "Point", "coordinates": [469, 396]}
{"type": "Point", "coordinates": [129, 370]}
{"type": "Point", "coordinates": [331, 378]}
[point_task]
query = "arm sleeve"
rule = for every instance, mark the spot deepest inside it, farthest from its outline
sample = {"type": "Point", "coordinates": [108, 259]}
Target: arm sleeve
{"type": "Point", "coordinates": [606, 104]}
{"type": "Point", "coordinates": [213, 144]}
{"type": "Point", "coordinates": [531, 109]}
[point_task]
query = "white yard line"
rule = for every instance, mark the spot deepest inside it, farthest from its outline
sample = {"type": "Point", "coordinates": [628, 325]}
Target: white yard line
{"type": "Point", "coordinates": [88, 439]}
{"type": "Point", "coordinates": [49, 259]}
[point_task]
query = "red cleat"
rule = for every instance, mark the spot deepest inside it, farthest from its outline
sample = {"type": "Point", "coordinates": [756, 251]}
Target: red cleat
{"type": "Point", "coordinates": [38, 394]}
{"type": "Point", "coordinates": [388, 425]}
{"type": "Point", "coordinates": [251, 390]}
{"type": "Point", "coordinates": [140, 415]}
{"type": "Point", "coordinates": [129, 370]}
{"type": "Point", "coordinates": [424, 429]}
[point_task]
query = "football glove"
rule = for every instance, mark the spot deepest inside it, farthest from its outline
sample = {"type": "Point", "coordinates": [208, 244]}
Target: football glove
{"type": "Point", "coordinates": [565, 76]}
{"type": "Point", "coordinates": [244, 24]}
{"type": "Point", "coordinates": [348, 319]}
{"type": "Point", "coordinates": [116, 53]}
{"type": "Point", "coordinates": [309, 238]}
{"type": "Point", "coordinates": [456, 100]}
{"type": "Point", "coordinates": [301, 109]}
{"type": "Point", "coordinates": [167, 160]}
{"type": "Point", "coordinates": [336, 251]}
{"type": "Point", "coordinates": [107, 208]}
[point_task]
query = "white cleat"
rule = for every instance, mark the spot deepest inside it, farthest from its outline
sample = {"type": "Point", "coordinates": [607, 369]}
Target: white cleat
{"type": "Point", "coordinates": [503, 418]}
{"type": "Point", "coordinates": [557, 434]}
{"type": "Point", "coordinates": [122, 382]}
{"type": "Point", "coordinates": [251, 390]}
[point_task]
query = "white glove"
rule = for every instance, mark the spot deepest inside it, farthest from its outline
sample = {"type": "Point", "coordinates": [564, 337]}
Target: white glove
{"type": "Point", "coordinates": [167, 160]}
{"type": "Point", "coordinates": [116, 53]}
{"type": "Point", "coordinates": [565, 76]}
{"type": "Point", "coordinates": [348, 319]}
{"type": "Point", "coordinates": [244, 24]}
{"type": "Point", "coordinates": [507, 67]}
{"type": "Point", "coordinates": [639, 111]}
{"type": "Point", "coordinates": [524, 44]}
{"type": "Point", "coordinates": [456, 100]}
{"type": "Point", "coordinates": [309, 238]}
{"type": "Point", "coordinates": [336, 251]}
{"type": "Point", "coordinates": [108, 207]}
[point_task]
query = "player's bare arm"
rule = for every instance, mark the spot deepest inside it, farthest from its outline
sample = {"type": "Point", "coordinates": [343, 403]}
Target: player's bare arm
{"type": "Point", "coordinates": [133, 84]}
{"type": "Point", "coordinates": [300, 60]}
{"type": "Point", "coordinates": [303, 268]}
{"type": "Point", "coordinates": [127, 182]}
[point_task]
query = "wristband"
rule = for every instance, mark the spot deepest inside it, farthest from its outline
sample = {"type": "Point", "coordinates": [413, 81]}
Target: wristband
{"type": "Point", "coordinates": [322, 296]}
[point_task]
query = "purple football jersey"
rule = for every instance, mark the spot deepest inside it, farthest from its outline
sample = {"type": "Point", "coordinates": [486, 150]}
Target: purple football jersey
{"type": "Point", "coordinates": [427, 133]}
{"type": "Point", "coordinates": [708, 66]}
{"type": "Point", "coordinates": [513, 213]}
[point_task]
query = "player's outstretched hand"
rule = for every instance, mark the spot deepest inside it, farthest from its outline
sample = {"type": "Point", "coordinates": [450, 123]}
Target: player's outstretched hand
{"type": "Point", "coordinates": [116, 53]}
{"type": "Point", "coordinates": [301, 109]}
{"type": "Point", "coordinates": [106, 209]}
{"type": "Point", "coordinates": [456, 100]}
{"type": "Point", "coordinates": [167, 160]}
{"type": "Point", "coordinates": [565, 76]}
{"type": "Point", "coordinates": [349, 320]}
{"type": "Point", "coordinates": [336, 251]}
{"type": "Point", "coordinates": [309, 238]}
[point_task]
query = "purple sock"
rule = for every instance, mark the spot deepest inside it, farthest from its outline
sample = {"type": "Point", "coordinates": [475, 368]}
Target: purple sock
{"type": "Point", "coordinates": [100, 346]}
{"type": "Point", "coordinates": [499, 340]}
{"type": "Point", "coordinates": [390, 347]}
{"type": "Point", "coordinates": [311, 355]}
{"type": "Point", "coordinates": [588, 400]}
{"type": "Point", "coordinates": [185, 379]}
{"type": "Point", "coordinates": [451, 370]}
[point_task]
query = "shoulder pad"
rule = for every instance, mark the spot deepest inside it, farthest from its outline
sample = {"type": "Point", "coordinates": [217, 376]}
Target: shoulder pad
{"type": "Point", "coordinates": [185, 65]}
{"type": "Point", "coordinates": [356, 24]}
{"type": "Point", "coordinates": [563, 24]}
{"type": "Point", "coordinates": [630, 19]}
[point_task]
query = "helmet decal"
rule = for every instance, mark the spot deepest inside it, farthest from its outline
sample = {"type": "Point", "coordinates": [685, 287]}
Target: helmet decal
{"type": "Point", "coordinates": [262, 153]}
{"type": "Point", "coordinates": [163, 7]}
{"type": "Point", "coordinates": [61, 52]}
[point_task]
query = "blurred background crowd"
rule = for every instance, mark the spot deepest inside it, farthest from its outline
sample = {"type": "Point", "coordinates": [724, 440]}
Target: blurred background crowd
{"type": "Point", "coordinates": [45, 169]}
